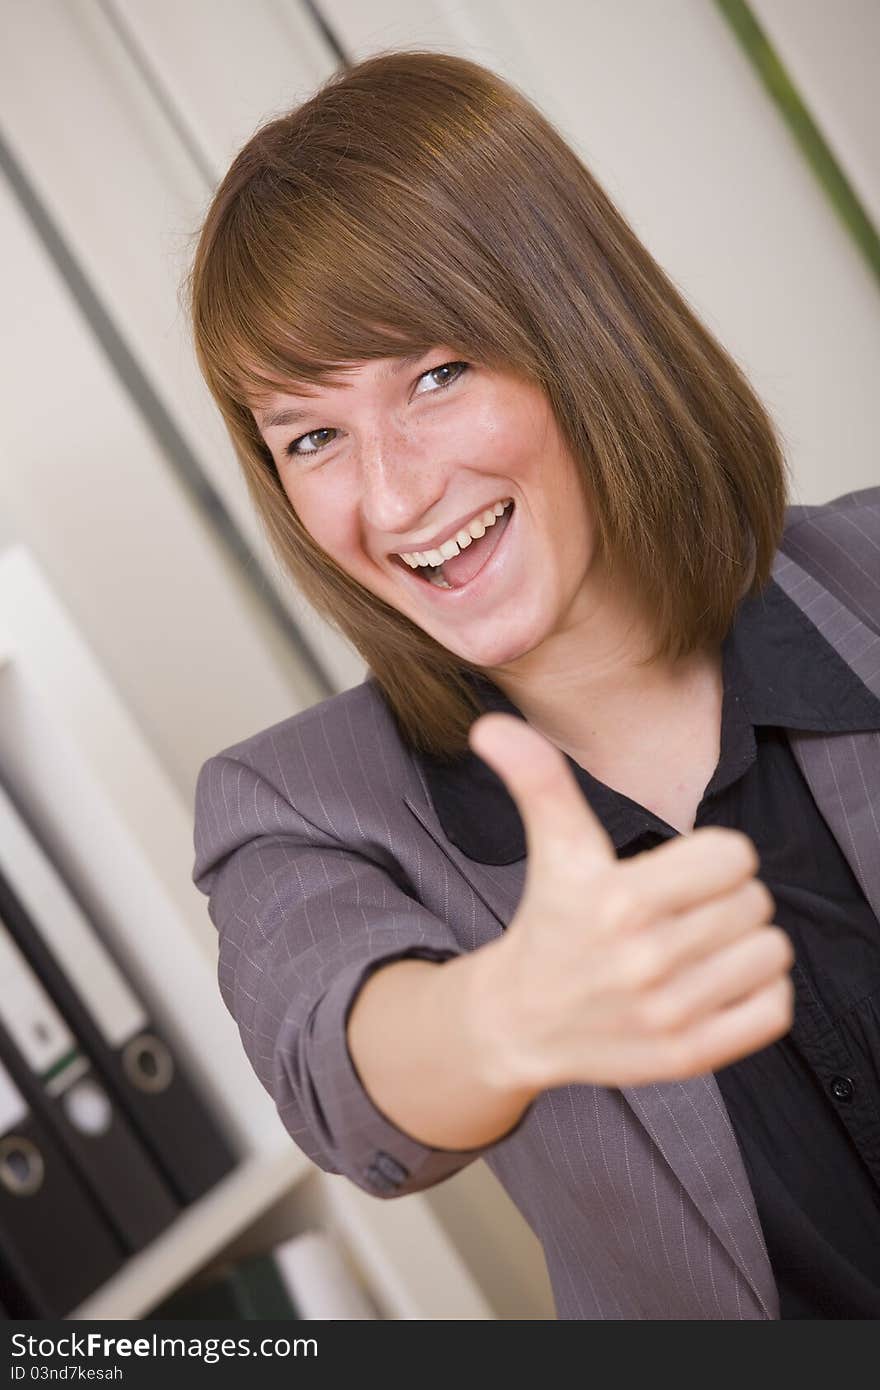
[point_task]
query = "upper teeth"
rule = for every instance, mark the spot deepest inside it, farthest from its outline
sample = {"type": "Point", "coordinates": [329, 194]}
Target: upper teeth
{"type": "Point", "coordinates": [475, 528]}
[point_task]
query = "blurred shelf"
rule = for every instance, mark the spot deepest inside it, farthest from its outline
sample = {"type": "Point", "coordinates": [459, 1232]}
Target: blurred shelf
{"type": "Point", "coordinates": [93, 792]}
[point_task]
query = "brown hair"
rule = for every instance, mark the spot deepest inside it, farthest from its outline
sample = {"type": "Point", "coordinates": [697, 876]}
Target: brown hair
{"type": "Point", "coordinates": [417, 199]}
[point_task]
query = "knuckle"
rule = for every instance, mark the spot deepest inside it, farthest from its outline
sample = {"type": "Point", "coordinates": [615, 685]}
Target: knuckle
{"type": "Point", "coordinates": [714, 835]}
{"type": "Point", "coordinates": [620, 904]}
{"type": "Point", "coordinates": [784, 999]}
{"type": "Point", "coordinates": [633, 966]}
{"type": "Point", "coordinates": [733, 844]}
{"type": "Point", "coordinates": [782, 944]}
{"type": "Point", "coordinates": [710, 832]}
{"type": "Point", "coordinates": [560, 852]}
{"type": "Point", "coordinates": [763, 900]}
{"type": "Point", "coordinates": [747, 848]}
{"type": "Point", "coordinates": [644, 960]}
{"type": "Point", "coordinates": [655, 1012]}
{"type": "Point", "coordinates": [777, 1013]}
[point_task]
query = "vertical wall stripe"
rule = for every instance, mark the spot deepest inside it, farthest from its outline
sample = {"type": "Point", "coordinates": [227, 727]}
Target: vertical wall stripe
{"type": "Point", "coordinates": [780, 87]}
{"type": "Point", "coordinates": [155, 415]}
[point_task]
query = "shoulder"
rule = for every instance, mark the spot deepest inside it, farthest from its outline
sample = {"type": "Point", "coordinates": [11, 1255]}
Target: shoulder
{"type": "Point", "coordinates": [345, 748]}
{"type": "Point", "coordinates": [838, 543]}
{"type": "Point", "coordinates": [859, 508]}
{"type": "Point", "coordinates": [341, 718]}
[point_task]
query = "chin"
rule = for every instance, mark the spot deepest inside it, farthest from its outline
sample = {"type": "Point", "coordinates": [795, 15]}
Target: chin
{"type": "Point", "coordinates": [495, 652]}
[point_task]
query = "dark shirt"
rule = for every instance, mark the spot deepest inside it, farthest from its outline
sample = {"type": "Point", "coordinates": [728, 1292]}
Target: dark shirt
{"type": "Point", "coordinates": [806, 1109]}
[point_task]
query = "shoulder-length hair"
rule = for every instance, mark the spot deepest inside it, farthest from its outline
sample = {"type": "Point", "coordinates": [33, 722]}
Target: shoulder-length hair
{"type": "Point", "coordinates": [415, 199]}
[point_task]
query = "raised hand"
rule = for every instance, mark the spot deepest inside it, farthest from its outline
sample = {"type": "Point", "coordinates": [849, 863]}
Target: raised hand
{"type": "Point", "coordinates": [623, 972]}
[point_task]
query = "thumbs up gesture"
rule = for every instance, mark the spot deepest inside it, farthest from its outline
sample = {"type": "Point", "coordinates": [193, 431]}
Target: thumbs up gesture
{"type": "Point", "coordinates": [624, 972]}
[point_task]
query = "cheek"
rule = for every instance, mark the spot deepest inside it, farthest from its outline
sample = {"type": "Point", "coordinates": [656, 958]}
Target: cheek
{"type": "Point", "coordinates": [324, 513]}
{"type": "Point", "coordinates": [496, 439]}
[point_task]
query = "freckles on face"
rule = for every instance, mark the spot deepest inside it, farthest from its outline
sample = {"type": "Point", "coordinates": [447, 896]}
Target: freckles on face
{"type": "Point", "coordinates": [397, 472]}
{"type": "Point", "coordinates": [406, 470]}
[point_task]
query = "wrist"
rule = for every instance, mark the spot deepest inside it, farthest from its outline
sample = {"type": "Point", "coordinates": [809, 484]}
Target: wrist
{"type": "Point", "coordinates": [493, 1020]}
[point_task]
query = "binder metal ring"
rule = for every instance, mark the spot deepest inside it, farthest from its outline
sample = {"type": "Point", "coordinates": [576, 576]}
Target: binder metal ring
{"type": "Point", "coordinates": [148, 1063]}
{"type": "Point", "coordinates": [21, 1165]}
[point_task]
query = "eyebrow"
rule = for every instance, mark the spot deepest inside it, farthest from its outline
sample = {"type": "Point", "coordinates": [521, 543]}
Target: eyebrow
{"type": "Point", "coordinates": [290, 415]}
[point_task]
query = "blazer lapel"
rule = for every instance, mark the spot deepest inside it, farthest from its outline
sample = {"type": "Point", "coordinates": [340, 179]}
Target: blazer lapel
{"type": "Point", "coordinates": [842, 770]}
{"type": "Point", "coordinates": [688, 1120]}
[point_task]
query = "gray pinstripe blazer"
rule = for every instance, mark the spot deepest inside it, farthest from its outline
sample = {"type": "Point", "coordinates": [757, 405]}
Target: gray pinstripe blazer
{"type": "Point", "coordinates": [322, 855]}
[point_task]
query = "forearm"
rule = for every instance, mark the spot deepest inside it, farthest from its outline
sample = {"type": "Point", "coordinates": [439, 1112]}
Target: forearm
{"type": "Point", "coordinates": [418, 1036]}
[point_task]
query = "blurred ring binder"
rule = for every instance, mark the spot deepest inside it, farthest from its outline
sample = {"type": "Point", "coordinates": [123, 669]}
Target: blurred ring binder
{"type": "Point", "coordinates": [108, 1019]}
{"type": "Point", "coordinates": [54, 1075]}
{"type": "Point", "coordinates": [55, 1245]}
{"type": "Point", "coordinates": [21, 1165]}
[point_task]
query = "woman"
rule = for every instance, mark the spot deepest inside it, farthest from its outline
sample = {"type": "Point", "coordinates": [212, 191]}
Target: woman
{"type": "Point", "coordinates": [491, 443]}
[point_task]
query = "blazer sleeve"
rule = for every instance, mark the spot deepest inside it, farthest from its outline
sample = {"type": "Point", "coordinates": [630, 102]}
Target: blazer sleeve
{"type": "Point", "coordinates": [302, 921]}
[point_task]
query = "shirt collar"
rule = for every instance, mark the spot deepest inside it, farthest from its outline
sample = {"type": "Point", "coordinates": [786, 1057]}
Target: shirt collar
{"type": "Point", "coordinates": [778, 669]}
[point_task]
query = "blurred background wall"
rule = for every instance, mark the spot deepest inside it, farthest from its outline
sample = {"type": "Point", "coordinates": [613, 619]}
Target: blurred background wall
{"type": "Point", "coordinates": [740, 141]}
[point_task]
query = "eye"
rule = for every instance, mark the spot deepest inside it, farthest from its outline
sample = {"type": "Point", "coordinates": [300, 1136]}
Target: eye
{"type": "Point", "coordinates": [293, 449]}
{"type": "Point", "coordinates": [447, 366]}
{"type": "Point", "coordinates": [458, 368]}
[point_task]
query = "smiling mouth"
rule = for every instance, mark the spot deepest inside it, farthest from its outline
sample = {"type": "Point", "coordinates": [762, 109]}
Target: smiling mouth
{"type": "Point", "coordinates": [459, 570]}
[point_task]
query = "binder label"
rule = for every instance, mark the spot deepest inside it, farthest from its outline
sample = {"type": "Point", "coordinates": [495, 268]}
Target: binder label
{"type": "Point", "coordinates": [28, 1013]}
{"type": "Point", "coordinates": [78, 948]}
{"type": "Point", "coordinates": [12, 1107]}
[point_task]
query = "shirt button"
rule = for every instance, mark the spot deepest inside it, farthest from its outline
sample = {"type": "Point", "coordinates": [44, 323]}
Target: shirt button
{"type": "Point", "coordinates": [841, 1087]}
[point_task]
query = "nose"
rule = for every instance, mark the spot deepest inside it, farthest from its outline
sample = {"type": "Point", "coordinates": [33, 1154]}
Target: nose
{"type": "Point", "coordinates": [400, 484]}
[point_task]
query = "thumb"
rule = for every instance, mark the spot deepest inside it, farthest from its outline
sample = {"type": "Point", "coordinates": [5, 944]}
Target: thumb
{"type": "Point", "coordinates": [558, 820]}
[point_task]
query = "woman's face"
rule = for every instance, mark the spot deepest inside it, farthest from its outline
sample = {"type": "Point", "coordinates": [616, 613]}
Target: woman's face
{"type": "Point", "coordinates": [401, 456]}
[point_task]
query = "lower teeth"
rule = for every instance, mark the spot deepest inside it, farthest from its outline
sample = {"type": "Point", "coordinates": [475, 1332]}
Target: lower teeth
{"type": "Point", "coordinates": [436, 578]}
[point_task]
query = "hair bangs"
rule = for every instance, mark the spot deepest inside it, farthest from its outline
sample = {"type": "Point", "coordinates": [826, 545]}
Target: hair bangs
{"type": "Point", "coordinates": [284, 313]}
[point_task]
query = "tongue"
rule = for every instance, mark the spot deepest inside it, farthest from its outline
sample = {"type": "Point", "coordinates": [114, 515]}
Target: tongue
{"type": "Point", "coordinates": [462, 567]}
